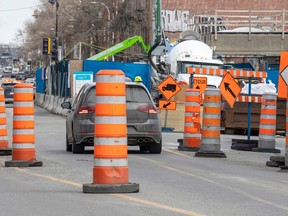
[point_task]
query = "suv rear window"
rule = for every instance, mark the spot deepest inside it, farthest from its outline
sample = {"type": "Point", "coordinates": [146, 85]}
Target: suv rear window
{"type": "Point", "coordinates": [133, 94]}
{"type": "Point", "coordinates": [136, 94]}
{"type": "Point", "coordinates": [138, 103]}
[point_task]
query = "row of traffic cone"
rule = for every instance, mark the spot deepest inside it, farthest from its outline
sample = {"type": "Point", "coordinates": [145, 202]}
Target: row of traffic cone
{"type": "Point", "coordinates": [23, 142]}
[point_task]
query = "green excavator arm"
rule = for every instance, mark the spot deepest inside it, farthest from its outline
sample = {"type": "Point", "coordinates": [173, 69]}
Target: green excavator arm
{"type": "Point", "coordinates": [120, 47]}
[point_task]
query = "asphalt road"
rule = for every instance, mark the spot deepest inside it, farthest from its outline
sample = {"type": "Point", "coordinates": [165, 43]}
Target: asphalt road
{"type": "Point", "coordinates": [172, 183]}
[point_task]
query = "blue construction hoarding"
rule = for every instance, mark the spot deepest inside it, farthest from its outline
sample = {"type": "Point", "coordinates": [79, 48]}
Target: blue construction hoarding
{"type": "Point", "coordinates": [40, 80]}
{"type": "Point", "coordinates": [56, 80]}
{"type": "Point", "coordinates": [131, 70]}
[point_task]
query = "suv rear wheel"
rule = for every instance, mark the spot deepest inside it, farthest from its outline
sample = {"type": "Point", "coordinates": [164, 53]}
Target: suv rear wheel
{"type": "Point", "coordinates": [77, 148]}
{"type": "Point", "coordinates": [155, 148]}
{"type": "Point", "coordinates": [144, 148]}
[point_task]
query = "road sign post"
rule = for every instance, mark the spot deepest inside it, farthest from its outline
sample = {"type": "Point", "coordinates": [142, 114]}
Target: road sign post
{"type": "Point", "coordinates": [167, 105]}
{"type": "Point", "coordinates": [168, 88]}
{"type": "Point", "coordinates": [283, 75]}
{"type": "Point", "coordinates": [229, 89]}
{"type": "Point", "coordinates": [200, 83]}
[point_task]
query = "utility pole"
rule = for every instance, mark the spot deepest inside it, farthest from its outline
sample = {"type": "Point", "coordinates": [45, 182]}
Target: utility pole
{"type": "Point", "coordinates": [56, 41]}
{"type": "Point", "coordinates": [156, 21]}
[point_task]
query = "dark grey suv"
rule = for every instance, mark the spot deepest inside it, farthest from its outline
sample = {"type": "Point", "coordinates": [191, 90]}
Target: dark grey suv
{"type": "Point", "coordinates": [143, 119]}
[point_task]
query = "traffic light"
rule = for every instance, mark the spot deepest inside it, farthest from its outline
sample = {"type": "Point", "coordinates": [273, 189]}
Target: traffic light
{"type": "Point", "coordinates": [54, 50]}
{"type": "Point", "coordinates": [46, 46]}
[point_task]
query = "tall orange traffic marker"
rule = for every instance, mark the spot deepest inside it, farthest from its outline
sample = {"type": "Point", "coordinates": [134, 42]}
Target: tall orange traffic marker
{"type": "Point", "coordinates": [110, 172]}
{"type": "Point", "coordinates": [4, 149]}
{"type": "Point", "coordinates": [192, 125]}
{"type": "Point", "coordinates": [285, 167]}
{"type": "Point", "coordinates": [211, 126]}
{"type": "Point", "coordinates": [267, 126]}
{"type": "Point", "coordinates": [23, 140]}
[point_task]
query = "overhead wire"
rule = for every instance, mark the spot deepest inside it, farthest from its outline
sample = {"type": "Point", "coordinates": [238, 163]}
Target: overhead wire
{"type": "Point", "coordinates": [17, 9]}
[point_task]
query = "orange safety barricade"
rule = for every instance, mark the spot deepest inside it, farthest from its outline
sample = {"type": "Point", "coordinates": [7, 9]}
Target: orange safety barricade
{"type": "Point", "coordinates": [110, 172]}
{"type": "Point", "coordinates": [251, 99]}
{"type": "Point", "coordinates": [23, 139]}
{"type": "Point", "coordinates": [192, 125]}
{"type": "Point", "coordinates": [210, 140]}
{"type": "Point", "coordinates": [267, 126]}
{"type": "Point", "coordinates": [4, 149]}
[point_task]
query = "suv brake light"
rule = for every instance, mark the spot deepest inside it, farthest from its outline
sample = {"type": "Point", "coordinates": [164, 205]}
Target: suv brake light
{"type": "Point", "coordinates": [148, 109]}
{"type": "Point", "coordinates": [86, 110]}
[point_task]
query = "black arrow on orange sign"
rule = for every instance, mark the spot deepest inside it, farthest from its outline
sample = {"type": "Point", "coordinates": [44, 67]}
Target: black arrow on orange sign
{"type": "Point", "coordinates": [166, 105]}
{"type": "Point", "coordinates": [227, 88]}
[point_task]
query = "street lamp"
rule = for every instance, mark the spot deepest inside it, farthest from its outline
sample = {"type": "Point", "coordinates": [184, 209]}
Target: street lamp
{"type": "Point", "coordinates": [109, 18]}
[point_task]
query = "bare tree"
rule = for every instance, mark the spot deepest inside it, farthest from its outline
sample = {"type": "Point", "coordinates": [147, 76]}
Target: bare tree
{"type": "Point", "coordinates": [97, 25]}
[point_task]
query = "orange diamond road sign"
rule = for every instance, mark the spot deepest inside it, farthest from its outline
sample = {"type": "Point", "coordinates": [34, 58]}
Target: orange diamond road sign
{"type": "Point", "coordinates": [167, 105]}
{"type": "Point", "coordinates": [229, 89]}
{"type": "Point", "coordinates": [283, 75]}
{"type": "Point", "coordinates": [169, 87]}
{"type": "Point", "coordinates": [200, 83]}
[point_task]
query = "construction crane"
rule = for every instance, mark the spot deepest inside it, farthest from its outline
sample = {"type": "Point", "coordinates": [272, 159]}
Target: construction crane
{"type": "Point", "coordinates": [120, 47]}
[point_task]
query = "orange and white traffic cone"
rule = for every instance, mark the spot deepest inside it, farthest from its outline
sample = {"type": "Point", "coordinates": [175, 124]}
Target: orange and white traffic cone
{"type": "Point", "coordinates": [192, 125]}
{"type": "Point", "coordinates": [4, 144]}
{"type": "Point", "coordinates": [110, 172]}
{"type": "Point", "coordinates": [23, 140]}
{"type": "Point", "coordinates": [211, 126]}
{"type": "Point", "coordinates": [267, 125]}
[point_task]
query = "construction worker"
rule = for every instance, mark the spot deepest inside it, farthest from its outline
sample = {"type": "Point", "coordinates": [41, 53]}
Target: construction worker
{"type": "Point", "coordinates": [138, 79]}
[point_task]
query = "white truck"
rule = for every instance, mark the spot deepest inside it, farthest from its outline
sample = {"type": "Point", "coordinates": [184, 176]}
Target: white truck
{"type": "Point", "coordinates": [191, 52]}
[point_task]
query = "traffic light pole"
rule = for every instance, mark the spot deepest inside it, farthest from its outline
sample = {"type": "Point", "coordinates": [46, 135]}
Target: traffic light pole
{"type": "Point", "coordinates": [56, 28]}
{"type": "Point", "coordinates": [54, 52]}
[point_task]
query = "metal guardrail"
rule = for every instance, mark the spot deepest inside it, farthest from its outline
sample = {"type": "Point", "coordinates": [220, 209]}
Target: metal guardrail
{"type": "Point", "coordinates": [217, 21]}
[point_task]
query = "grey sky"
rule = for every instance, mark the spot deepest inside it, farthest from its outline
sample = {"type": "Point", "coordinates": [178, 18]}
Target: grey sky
{"type": "Point", "coordinates": [13, 14]}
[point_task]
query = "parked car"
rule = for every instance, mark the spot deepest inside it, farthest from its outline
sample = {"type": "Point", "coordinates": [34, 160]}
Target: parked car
{"type": "Point", "coordinates": [143, 119]}
{"type": "Point", "coordinates": [8, 91]}
{"type": "Point", "coordinates": [20, 76]}
{"type": "Point", "coordinates": [30, 81]}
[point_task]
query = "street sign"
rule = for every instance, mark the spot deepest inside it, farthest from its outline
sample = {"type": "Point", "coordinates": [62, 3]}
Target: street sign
{"type": "Point", "coordinates": [167, 105]}
{"type": "Point", "coordinates": [282, 83]}
{"type": "Point", "coordinates": [169, 87]}
{"type": "Point", "coordinates": [200, 83]}
{"type": "Point", "coordinates": [284, 75]}
{"type": "Point", "coordinates": [229, 89]}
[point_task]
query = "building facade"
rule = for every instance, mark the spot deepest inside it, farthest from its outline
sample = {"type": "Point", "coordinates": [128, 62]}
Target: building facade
{"type": "Point", "coordinates": [181, 15]}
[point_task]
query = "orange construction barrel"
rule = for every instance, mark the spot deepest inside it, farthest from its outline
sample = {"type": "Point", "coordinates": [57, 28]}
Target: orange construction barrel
{"type": "Point", "coordinates": [23, 138]}
{"type": "Point", "coordinates": [211, 126]}
{"type": "Point", "coordinates": [4, 145]}
{"type": "Point", "coordinates": [110, 172]}
{"type": "Point", "coordinates": [267, 125]}
{"type": "Point", "coordinates": [192, 125]}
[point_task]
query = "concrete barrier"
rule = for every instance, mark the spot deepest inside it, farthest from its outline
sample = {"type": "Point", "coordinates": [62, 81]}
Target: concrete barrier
{"type": "Point", "coordinates": [59, 108]}
{"type": "Point", "coordinates": [55, 104]}
{"type": "Point", "coordinates": [52, 103]}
